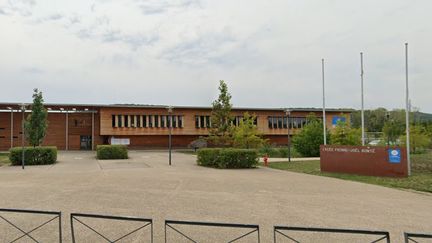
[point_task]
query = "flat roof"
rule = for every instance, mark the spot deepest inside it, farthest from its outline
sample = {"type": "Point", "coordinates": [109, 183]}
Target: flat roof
{"type": "Point", "coordinates": [16, 105]}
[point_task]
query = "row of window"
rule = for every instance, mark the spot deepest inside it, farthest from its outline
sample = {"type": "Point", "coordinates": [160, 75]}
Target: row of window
{"type": "Point", "coordinates": [280, 122]}
{"type": "Point", "coordinates": [274, 122]}
{"type": "Point", "coordinates": [147, 121]}
{"type": "Point", "coordinates": [205, 121]}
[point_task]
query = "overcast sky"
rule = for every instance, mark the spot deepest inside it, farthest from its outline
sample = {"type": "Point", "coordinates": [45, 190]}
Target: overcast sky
{"type": "Point", "coordinates": [175, 52]}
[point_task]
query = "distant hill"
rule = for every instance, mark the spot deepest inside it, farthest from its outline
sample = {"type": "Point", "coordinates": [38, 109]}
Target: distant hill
{"type": "Point", "coordinates": [422, 117]}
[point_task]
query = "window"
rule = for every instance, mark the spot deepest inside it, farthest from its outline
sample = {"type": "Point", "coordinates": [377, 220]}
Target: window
{"type": "Point", "coordinates": [132, 121]}
{"type": "Point", "coordinates": [197, 123]}
{"type": "Point", "coordinates": [150, 121]}
{"type": "Point", "coordinates": [180, 121]}
{"type": "Point", "coordinates": [202, 121]}
{"type": "Point", "coordinates": [144, 121]}
{"type": "Point", "coordinates": [270, 122]}
{"type": "Point", "coordinates": [169, 121]}
{"type": "Point", "coordinates": [119, 120]}
{"type": "Point", "coordinates": [279, 123]}
{"type": "Point", "coordinates": [126, 121]}
{"type": "Point", "coordinates": [163, 121]}
{"type": "Point", "coordinates": [138, 118]}
{"type": "Point", "coordinates": [174, 121]}
{"type": "Point", "coordinates": [275, 122]}
{"type": "Point", "coordinates": [113, 122]}
{"type": "Point", "coordinates": [156, 121]}
{"type": "Point", "coordinates": [285, 122]}
{"type": "Point", "coordinates": [208, 121]}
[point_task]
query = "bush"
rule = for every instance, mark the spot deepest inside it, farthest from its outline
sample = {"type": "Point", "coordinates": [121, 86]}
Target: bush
{"type": "Point", "coordinates": [112, 152]}
{"type": "Point", "coordinates": [33, 155]}
{"type": "Point", "coordinates": [227, 158]}
{"type": "Point", "coordinates": [281, 152]}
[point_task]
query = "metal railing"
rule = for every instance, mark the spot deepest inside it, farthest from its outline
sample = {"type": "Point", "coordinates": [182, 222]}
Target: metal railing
{"type": "Point", "coordinates": [76, 216]}
{"type": "Point", "coordinates": [279, 230]}
{"type": "Point", "coordinates": [170, 224]}
{"type": "Point", "coordinates": [57, 215]}
{"type": "Point", "coordinates": [414, 237]}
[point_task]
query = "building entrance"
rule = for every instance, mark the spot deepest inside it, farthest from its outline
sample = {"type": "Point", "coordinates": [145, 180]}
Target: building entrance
{"type": "Point", "coordinates": [85, 142]}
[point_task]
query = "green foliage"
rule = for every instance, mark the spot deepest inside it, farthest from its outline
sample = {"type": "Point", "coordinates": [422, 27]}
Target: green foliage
{"type": "Point", "coordinates": [278, 152]}
{"type": "Point", "coordinates": [36, 123]}
{"type": "Point", "coordinates": [419, 140]}
{"type": "Point", "coordinates": [309, 139]}
{"type": "Point", "coordinates": [227, 158]}
{"type": "Point", "coordinates": [220, 133]}
{"type": "Point", "coordinates": [33, 155]}
{"type": "Point", "coordinates": [420, 180]}
{"type": "Point", "coordinates": [392, 130]}
{"type": "Point", "coordinates": [345, 135]}
{"type": "Point", "coordinates": [112, 152]}
{"type": "Point", "coordinates": [246, 135]}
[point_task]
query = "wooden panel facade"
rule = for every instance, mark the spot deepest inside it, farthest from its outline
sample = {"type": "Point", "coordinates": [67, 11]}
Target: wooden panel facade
{"type": "Point", "coordinates": [80, 125]}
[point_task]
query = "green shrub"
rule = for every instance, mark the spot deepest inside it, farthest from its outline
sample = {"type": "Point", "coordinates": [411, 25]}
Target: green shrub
{"type": "Point", "coordinates": [227, 158]}
{"type": "Point", "coordinates": [33, 155]}
{"type": "Point", "coordinates": [281, 152]}
{"type": "Point", "coordinates": [112, 152]}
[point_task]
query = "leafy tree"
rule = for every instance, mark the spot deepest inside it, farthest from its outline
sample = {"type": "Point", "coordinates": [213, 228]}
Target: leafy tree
{"type": "Point", "coordinates": [309, 139]}
{"type": "Point", "coordinates": [220, 132]}
{"type": "Point", "coordinates": [36, 123]}
{"type": "Point", "coordinates": [419, 139]}
{"type": "Point", "coordinates": [392, 130]}
{"type": "Point", "coordinates": [246, 135]}
{"type": "Point", "coordinates": [345, 135]}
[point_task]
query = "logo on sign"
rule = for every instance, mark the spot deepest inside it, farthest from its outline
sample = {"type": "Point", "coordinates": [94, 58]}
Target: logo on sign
{"type": "Point", "coordinates": [394, 155]}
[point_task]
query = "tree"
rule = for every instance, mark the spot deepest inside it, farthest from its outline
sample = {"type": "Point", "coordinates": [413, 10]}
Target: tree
{"type": "Point", "coordinates": [345, 135]}
{"type": "Point", "coordinates": [419, 139]}
{"type": "Point", "coordinates": [392, 130]}
{"type": "Point", "coordinates": [36, 123]}
{"type": "Point", "coordinates": [221, 132]}
{"type": "Point", "coordinates": [246, 135]}
{"type": "Point", "coordinates": [309, 139]}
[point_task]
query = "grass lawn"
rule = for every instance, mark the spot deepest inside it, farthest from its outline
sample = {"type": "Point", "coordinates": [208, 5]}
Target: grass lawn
{"type": "Point", "coordinates": [4, 159]}
{"type": "Point", "coordinates": [420, 179]}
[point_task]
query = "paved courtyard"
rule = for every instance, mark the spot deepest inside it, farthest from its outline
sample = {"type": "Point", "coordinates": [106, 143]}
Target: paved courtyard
{"type": "Point", "coordinates": [145, 186]}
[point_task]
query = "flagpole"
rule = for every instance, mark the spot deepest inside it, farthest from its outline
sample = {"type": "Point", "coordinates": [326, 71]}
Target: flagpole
{"type": "Point", "coordinates": [362, 101]}
{"type": "Point", "coordinates": [324, 111]}
{"type": "Point", "coordinates": [407, 110]}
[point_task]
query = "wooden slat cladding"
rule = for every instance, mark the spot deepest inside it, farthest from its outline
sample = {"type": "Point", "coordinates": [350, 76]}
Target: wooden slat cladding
{"type": "Point", "coordinates": [189, 121]}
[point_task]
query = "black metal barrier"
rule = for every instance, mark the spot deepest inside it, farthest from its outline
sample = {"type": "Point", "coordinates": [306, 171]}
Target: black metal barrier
{"type": "Point", "coordinates": [278, 230]}
{"type": "Point", "coordinates": [76, 216]}
{"type": "Point", "coordinates": [171, 223]}
{"type": "Point", "coordinates": [414, 237]}
{"type": "Point", "coordinates": [57, 215]}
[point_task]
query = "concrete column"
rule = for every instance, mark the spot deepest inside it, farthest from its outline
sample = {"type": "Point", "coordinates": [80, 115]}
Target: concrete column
{"type": "Point", "coordinates": [67, 130]}
{"type": "Point", "coordinates": [93, 131]}
{"type": "Point", "coordinates": [12, 128]}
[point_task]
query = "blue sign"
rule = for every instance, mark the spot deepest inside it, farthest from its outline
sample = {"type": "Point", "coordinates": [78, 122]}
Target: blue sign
{"type": "Point", "coordinates": [394, 155]}
{"type": "Point", "coordinates": [338, 118]}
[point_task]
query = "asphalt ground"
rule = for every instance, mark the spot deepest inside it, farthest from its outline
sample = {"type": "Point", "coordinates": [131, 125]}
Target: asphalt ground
{"type": "Point", "coordinates": [146, 186]}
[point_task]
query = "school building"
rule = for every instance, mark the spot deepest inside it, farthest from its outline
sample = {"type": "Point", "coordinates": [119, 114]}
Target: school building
{"type": "Point", "coordinates": [84, 126]}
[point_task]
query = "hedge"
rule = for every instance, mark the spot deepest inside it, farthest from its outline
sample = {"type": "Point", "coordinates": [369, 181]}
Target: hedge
{"type": "Point", "coordinates": [33, 155]}
{"type": "Point", "coordinates": [112, 152]}
{"type": "Point", "coordinates": [227, 158]}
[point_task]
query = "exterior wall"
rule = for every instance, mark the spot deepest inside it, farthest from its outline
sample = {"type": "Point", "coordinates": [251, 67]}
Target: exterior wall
{"type": "Point", "coordinates": [362, 160]}
{"type": "Point", "coordinates": [56, 132]}
{"type": "Point", "coordinates": [79, 124]}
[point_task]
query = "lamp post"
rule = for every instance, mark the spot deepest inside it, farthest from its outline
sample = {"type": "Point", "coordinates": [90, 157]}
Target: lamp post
{"type": "Point", "coordinates": [288, 113]}
{"type": "Point", "coordinates": [22, 135]}
{"type": "Point", "coordinates": [170, 110]}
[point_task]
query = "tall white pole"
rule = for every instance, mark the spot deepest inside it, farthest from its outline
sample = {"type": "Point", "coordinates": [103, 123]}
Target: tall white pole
{"type": "Point", "coordinates": [324, 112]}
{"type": "Point", "coordinates": [407, 110]}
{"type": "Point", "coordinates": [362, 101]}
